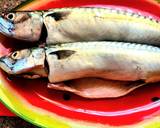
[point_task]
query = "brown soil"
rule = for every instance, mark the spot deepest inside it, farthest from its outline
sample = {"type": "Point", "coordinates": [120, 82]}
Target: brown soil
{"type": "Point", "coordinates": [6, 5]}
{"type": "Point", "coordinates": [14, 122]}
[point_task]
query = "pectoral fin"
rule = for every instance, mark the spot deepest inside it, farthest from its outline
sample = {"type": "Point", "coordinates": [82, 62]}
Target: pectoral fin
{"type": "Point", "coordinates": [97, 88]}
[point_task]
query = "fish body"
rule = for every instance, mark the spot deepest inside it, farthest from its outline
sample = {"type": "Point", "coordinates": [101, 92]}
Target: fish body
{"type": "Point", "coordinates": [65, 25]}
{"type": "Point", "coordinates": [107, 60]}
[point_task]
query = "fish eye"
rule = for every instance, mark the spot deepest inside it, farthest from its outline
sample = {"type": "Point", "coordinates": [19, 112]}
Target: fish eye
{"type": "Point", "coordinates": [15, 55]}
{"type": "Point", "coordinates": [10, 16]}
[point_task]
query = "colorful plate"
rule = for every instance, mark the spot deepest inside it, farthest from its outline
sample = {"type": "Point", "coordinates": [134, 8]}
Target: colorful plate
{"type": "Point", "coordinates": [31, 100]}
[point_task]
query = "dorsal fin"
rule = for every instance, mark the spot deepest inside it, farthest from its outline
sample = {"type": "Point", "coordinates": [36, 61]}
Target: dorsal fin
{"type": "Point", "coordinates": [62, 54]}
{"type": "Point", "coordinates": [59, 15]}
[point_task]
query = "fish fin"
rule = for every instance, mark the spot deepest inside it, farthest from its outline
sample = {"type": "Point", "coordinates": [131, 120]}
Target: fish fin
{"type": "Point", "coordinates": [59, 15]}
{"type": "Point", "coordinates": [62, 54]}
{"type": "Point", "coordinates": [97, 88]}
{"type": "Point", "coordinates": [31, 76]}
{"type": "Point", "coordinates": [61, 86]}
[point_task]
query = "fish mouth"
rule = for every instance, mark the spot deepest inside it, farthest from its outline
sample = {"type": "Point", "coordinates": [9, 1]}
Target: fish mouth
{"type": "Point", "coordinates": [5, 67]}
{"type": "Point", "coordinates": [6, 27]}
{"type": "Point", "coordinates": [10, 70]}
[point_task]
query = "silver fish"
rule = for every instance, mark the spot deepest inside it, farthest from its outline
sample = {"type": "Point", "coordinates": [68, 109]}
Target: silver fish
{"type": "Point", "coordinates": [107, 60]}
{"type": "Point", "coordinates": [65, 25]}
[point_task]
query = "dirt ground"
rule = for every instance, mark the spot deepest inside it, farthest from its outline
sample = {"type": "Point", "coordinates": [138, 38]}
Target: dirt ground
{"type": "Point", "coordinates": [6, 5]}
{"type": "Point", "coordinates": [14, 122]}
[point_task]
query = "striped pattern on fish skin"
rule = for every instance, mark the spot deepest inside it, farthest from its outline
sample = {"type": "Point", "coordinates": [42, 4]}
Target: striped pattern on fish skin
{"type": "Point", "coordinates": [65, 25]}
{"type": "Point", "coordinates": [91, 24]}
{"type": "Point", "coordinates": [107, 60]}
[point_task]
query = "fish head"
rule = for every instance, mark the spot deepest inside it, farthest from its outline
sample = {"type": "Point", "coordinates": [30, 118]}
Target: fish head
{"type": "Point", "coordinates": [22, 25]}
{"type": "Point", "coordinates": [26, 62]}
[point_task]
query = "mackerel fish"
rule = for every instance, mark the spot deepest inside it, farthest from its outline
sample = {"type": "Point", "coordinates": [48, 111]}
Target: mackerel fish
{"type": "Point", "coordinates": [107, 60]}
{"type": "Point", "coordinates": [64, 25]}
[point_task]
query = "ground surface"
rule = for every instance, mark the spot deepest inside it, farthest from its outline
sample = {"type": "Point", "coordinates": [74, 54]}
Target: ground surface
{"type": "Point", "coordinates": [14, 122]}
{"type": "Point", "coordinates": [6, 5]}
